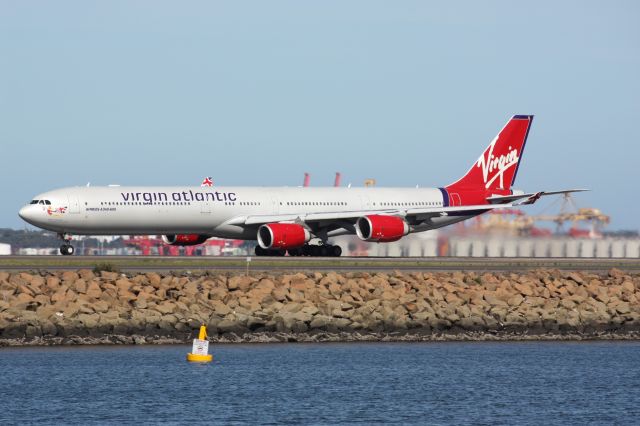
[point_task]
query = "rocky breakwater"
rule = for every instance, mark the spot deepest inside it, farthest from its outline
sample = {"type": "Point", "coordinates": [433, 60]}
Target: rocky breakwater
{"type": "Point", "coordinates": [76, 307]}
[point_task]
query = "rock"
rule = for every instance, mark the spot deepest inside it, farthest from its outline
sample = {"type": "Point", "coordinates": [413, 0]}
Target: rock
{"type": "Point", "coordinates": [623, 308]}
{"type": "Point", "coordinates": [494, 301]}
{"type": "Point", "coordinates": [71, 310]}
{"type": "Point", "coordinates": [140, 303]}
{"type": "Point", "coordinates": [24, 298]}
{"type": "Point", "coordinates": [86, 274]}
{"type": "Point", "coordinates": [437, 296]}
{"type": "Point", "coordinates": [453, 300]}
{"type": "Point", "coordinates": [100, 306]}
{"type": "Point", "coordinates": [109, 276]}
{"type": "Point", "coordinates": [335, 289]}
{"type": "Point", "coordinates": [265, 285]}
{"type": "Point", "coordinates": [378, 306]}
{"type": "Point", "coordinates": [240, 282]}
{"type": "Point", "coordinates": [14, 330]}
{"type": "Point", "coordinates": [70, 277]}
{"type": "Point", "coordinates": [524, 288]}
{"type": "Point", "coordinates": [217, 293]}
{"type": "Point", "coordinates": [93, 290]}
{"type": "Point", "coordinates": [309, 310]}
{"type": "Point", "coordinates": [616, 273]}
{"type": "Point", "coordinates": [192, 288]}
{"type": "Point", "coordinates": [230, 326]}
{"type": "Point", "coordinates": [472, 323]}
{"type": "Point", "coordinates": [568, 304]}
{"type": "Point", "coordinates": [89, 321]}
{"type": "Point", "coordinates": [32, 331]}
{"type": "Point", "coordinates": [339, 313]}
{"type": "Point", "coordinates": [22, 288]}
{"type": "Point", "coordinates": [295, 296]}
{"type": "Point", "coordinates": [254, 323]}
{"type": "Point", "coordinates": [59, 295]}
{"type": "Point", "coordinates": [48, 328]}
{"type": "Point", "coordinates": [602, 296]}
{"type": "Point", "coordinates": [515, 300]}
{"type": "Point", "coordinates": [280, 294]}
{"type": "Point", "coordinates": [79, 286]}
{"type": "Point", "coordinates": [575, 276]}
{"type": "Point", "coordinates": [628, 287]}
{"type": "Point", "coordinates": [452, 317]}
{"type": "Point", "coordinates": [53, 283]}
{"type": "Point", "coordinates": [123, 285]}
{"type": "Point", "coordinates": [411, 307]}
{"type": "Point", "coordinates": [166, 307]}
{"type": "Point", "coordinates": [320, 322]}
{"type": "Point", "coordinates": [219, 308]}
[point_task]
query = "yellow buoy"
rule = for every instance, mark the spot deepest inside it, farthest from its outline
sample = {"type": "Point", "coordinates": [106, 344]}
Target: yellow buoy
{"type": "Point", "coordinates": [200, 350]}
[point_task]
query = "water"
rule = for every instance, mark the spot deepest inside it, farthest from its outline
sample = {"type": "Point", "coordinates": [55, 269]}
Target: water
{"type": "Point", "coordinates": [412, 383]}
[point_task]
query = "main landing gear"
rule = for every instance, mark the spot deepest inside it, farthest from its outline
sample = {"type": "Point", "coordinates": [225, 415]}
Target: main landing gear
{"type": "Point", "coordinates": [66, 249]}
{"type": "Point", "coordinates": [324, 250]}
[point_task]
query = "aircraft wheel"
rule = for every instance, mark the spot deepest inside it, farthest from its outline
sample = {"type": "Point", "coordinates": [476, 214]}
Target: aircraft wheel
{"type": "Point", "coordinates": [295, 252]}
{"type": "Point", "coordinates": [336, 251]}
{"type": "Point", "coordinates": [66, 250]}
{"type": "Point", "coordinates": [260, 251]}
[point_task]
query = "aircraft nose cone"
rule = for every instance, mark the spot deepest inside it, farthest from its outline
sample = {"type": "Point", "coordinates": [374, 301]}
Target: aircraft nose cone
{"type": "Point", "coordinates": [26, 213]}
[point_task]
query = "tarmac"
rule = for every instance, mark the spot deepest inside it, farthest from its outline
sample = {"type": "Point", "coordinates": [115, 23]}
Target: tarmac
{"type": "Point", "coordinates": [342, 264]}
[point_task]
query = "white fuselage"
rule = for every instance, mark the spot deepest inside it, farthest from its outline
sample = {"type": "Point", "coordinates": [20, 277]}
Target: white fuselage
{"type": "Point", "coordinates": [213, 211]}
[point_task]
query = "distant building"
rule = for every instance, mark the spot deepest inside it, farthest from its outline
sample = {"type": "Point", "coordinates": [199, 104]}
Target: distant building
{"type": "Point", "coordinates": [5, 249]}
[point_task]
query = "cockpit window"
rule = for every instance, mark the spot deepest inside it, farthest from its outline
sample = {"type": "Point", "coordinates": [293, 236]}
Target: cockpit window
{"type": "Point", "coordinates": [34, 202]}
{"type": "Point", "coordinates": [41, 202]}
{"type": "Point", "coordinates": [47, 202]}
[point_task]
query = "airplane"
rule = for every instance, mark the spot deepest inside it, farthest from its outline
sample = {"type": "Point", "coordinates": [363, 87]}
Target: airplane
{"type": "Point", "coordinates": [299, 221]}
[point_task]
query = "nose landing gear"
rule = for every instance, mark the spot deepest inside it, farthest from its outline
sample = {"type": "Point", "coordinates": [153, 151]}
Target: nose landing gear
{"type": "Point", "coordinates": [66, 249]}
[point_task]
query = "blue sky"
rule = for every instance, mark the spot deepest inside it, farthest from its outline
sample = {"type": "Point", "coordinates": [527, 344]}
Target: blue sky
{"type": "Point", "coordinates": [257, 93]}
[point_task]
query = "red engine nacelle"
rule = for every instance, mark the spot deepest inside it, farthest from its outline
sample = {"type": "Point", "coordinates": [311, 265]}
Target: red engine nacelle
{"type": "Point", "coordinates": [282, 236]}
{"type": "Point", "coordinates": [381, 229]}
{"type": "Point", "coordinates": [184, 239]}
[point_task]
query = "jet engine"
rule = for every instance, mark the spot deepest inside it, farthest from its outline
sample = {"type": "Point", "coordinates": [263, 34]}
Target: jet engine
{"type": "Point", "coordinates": [184, 239]}
{"type": "Point", "coordinates": [282, 236]}
{"type": "Point", "coordinates": [381, 229]}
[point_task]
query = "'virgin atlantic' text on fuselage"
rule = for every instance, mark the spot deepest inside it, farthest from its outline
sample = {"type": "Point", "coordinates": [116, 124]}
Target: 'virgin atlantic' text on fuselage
{"type": "Point", "coordinates": [150, 197]}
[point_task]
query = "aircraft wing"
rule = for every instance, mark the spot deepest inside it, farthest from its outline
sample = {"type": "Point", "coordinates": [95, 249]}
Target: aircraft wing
{"type": "Point", "coordinates": [352, 216]}
{"type": "Point", "coordinates": [529, 198]}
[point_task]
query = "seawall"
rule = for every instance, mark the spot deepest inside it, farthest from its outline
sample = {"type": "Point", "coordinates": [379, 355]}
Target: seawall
{"type": "Point", "coordinates": [83, 307]}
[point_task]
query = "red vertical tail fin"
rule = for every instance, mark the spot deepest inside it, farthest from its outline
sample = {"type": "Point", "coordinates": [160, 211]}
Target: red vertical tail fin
{"type": "Point", "coordinates": [497, 166]}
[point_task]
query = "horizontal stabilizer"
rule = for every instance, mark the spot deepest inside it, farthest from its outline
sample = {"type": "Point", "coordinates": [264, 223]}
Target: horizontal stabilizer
{"type": "Point", "coordinates": [529, 198]}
